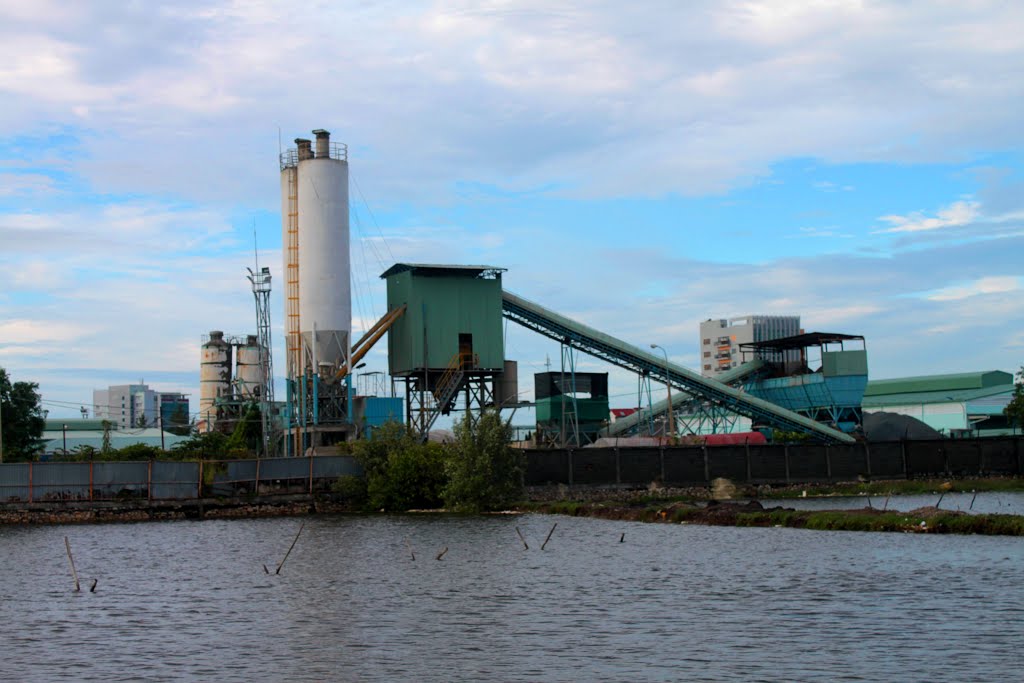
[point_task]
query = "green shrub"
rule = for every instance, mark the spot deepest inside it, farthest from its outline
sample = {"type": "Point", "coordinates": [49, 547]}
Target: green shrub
{"type": "Point", "coordinates": [484, 471]}
{"type": "Point", "coordinates": [401, 472]}
{"type": "Point", "coordinates": [351, 488]}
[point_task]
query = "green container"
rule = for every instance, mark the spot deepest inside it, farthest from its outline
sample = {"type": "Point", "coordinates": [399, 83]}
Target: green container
{"type": "Point", "coordinates": [588, 410]}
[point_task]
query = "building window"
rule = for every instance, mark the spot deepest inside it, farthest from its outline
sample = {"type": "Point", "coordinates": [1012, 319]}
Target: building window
{"type": "Point", "coordinates": [707, 367]}
{"type": "Point", "coordinates": [707, 341]}
{"type": "Point", "coordinates": [707, 354]}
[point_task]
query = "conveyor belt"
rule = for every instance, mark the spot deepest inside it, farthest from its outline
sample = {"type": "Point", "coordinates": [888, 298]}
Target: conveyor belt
{"type": "Point", "coordinates": [608, 348]}
{"type": "Point", "coordinates": [679, 400]}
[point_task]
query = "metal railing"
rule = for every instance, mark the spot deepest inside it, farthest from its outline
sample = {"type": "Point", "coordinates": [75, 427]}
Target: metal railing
{"type": "Point", "coordinates": [290, 157]}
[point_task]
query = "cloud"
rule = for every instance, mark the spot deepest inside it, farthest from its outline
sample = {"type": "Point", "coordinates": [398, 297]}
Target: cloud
{"type": "Point", "coordinates": [957, 214]}
{"type": "Point", "coordinates": [589, 100]}
{"type": "Point", "coordinates": [985, 285]}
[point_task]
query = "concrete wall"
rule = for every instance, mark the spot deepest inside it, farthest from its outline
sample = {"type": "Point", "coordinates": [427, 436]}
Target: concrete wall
{"type": "Point", "coordinates": [695, 465]}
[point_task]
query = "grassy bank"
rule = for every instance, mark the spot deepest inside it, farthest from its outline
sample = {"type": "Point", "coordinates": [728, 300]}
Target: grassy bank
{"type": "Point", "coordinates": [923, 520]}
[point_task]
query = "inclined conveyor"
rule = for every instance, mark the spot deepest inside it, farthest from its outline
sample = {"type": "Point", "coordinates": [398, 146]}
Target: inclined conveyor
{"type": "Point", "coordinates": [679, 400]}
{"type": "Point", "coordinates": [588, 340]}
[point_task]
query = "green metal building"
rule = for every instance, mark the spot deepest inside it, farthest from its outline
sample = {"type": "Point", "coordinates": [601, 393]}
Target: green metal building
{"type": "Point", "coordinates": [969, 403]}
{"type": "Point", "coordinates": [449, 310]}
{"type": "Point", "coordinates": [448, 344]}
{"type": "Point", "coordinates": [572, 407]}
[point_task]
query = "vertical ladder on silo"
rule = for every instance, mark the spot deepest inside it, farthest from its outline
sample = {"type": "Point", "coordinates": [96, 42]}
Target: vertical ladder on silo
{"type": "Point", "coordinates": [294, 359]}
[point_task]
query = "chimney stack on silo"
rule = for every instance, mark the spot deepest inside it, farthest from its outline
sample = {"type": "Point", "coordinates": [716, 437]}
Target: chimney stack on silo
{"type": "Point", "coordinates": [305, 148]}
{"type": "Point", "coordinates": [323, 143]}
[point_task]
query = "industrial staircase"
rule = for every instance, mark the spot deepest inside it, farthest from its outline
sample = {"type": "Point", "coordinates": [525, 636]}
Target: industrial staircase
{"type": "Point", "coordinates": [442, 397]}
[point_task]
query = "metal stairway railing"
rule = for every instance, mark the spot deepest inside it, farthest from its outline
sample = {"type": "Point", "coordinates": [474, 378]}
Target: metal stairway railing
{"type": "Point", "coordinates": [617, 352]}
{"type": "Point", "coordinates": [447, 388]}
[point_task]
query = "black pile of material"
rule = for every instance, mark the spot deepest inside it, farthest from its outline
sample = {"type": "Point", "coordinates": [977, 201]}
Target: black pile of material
{"type": "Point", "coordinates": [893, 427]}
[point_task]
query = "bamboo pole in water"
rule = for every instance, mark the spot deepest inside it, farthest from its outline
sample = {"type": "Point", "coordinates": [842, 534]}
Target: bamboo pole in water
{"type": "Point", "coordinates": [74, 572]}
{"type": "Point", "coordinates": [301, 527]}
{"type": "Point", "coordinates": [549, 536]}
{"type": "Point", "coordinates": [525, 546]}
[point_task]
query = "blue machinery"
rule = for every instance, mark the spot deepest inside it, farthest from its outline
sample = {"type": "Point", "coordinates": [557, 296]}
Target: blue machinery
{"type": "Point", "coordinates": [715, 396]}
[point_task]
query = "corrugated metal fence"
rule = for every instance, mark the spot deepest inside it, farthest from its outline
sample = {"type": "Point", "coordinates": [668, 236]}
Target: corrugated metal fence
{"type": "Point", "coordinates": [164, 480]}
{"type": "Point", "coordinates": [776, 464]}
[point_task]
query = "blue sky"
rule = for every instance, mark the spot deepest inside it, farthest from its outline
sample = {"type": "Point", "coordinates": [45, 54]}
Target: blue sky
{"type": "Point", "coordinates": [640, 167]}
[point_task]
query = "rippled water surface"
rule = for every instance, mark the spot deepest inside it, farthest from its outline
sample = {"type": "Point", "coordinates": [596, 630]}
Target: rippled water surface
{"type": "Point", "coordinates": [190, 601]}
{"type": "Point", "coordinates": [995, 502]}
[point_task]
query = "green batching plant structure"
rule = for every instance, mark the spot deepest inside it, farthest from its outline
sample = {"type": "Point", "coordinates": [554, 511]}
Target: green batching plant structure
{"type": "Point", "coordinates": [447, 348]}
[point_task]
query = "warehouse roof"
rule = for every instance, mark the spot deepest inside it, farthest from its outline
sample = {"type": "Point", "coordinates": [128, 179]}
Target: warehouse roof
{"type": "Point", "coordinates": [442, 269]}
{"type": "Point", "coordinates": [940, 383]}
{"type": "Point", "coordinates": [801, 341]}
{"type": "Point", "coordinates": [972, 396]}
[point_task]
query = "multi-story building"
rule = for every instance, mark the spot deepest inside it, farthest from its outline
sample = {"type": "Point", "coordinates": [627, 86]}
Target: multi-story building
{"type": "Point", "coordinates": [136, 405]}
{"type": "Point", "coordinates": [720, 339]}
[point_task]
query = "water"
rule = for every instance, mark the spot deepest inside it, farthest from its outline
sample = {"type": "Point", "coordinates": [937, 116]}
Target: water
{"type": "Point", "coordinates": [999, 502]}
{"type": "Point", "coordinates": [190, 601]}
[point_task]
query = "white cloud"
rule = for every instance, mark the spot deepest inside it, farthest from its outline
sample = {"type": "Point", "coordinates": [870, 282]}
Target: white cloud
{"type": "Point", "coordinates": [957, 214]}
{"type": "Point", "coordinates": [985, 285]}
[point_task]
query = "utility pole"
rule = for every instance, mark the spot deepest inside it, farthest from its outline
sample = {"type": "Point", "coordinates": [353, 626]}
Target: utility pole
{"type": "Point", "coordinates": [671, 430]}
{"type": "Point", "coordinates": [160, 421]}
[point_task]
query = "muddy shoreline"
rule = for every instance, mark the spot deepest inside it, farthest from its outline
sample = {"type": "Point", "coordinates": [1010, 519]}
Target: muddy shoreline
{"type": "Point", "coordinates": [754, 514]}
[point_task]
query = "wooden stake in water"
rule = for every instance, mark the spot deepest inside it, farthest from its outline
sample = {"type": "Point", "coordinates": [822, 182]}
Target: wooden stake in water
{"type": "Point", "coordinates": [869, 503]}
{"type": "Point", "coordinates": [886, 506]}
{"type": "Point", "coordinates": [549, 536]}
{"type": "Point", "coordinates": [411, 553]}
{"type": "Point", "coordinates": [525, 547]}
{"type": "Point", "coordinates": [74, 572]}
{"type": "Point", "coordinates": [972, 500]}
{"type": "Point", "coordinates": [301, 527]}
{"type": "Point", "coordinates": [92, 588]}
{"type": "Point", "coordinates": [441, 554]}
{"type": "Point", "coordinates": [940, 500]}
{"type": "Point", "coordinates": [622, 537]}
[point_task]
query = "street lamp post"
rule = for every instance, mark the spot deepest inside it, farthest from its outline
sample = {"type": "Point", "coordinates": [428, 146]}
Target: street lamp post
{"type": "Point", "coordinates": [668, 385]}
{"type": "Point", "coordinates": [65, 430]}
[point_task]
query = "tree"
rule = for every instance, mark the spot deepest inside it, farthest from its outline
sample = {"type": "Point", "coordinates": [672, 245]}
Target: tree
{"type": "Point", "coordinates": [401, 472]}
{"type": "Point", "coordinates": [106, 450]}
{"type": "Point", "coordinates": [142, 422]}
{"type": "Point", "coordinates": [22, 418]}
{"type": "Point", "coordinates": [484, 471]}
{"type": "Point", "coordinates": [207, 446]}
{"type": "Point", "coordinates": [248, 433]}
{"type": "Point", "coordinates": [178, 422]}
{"type": "Point", "coordinates": [1014, 410]}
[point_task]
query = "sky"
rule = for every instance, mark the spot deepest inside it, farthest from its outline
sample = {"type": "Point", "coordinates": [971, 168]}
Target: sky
{"type": "Point", "coordinates": [640, 167]}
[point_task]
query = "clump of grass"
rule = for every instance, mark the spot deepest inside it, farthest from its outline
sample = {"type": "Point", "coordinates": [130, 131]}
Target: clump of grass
{"type": "Point", "coordinates": [685, 514]}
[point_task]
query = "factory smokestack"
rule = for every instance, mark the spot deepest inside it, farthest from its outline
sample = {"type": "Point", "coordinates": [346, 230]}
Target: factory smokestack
{"type": "Point", "coordinates": [323, 143]}
{"type": "Point", "coordinates": [304, 148]}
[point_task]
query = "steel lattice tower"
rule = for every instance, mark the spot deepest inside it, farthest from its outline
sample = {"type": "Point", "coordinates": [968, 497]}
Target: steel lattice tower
{"type": "Point", "coordinates": [261, 292]}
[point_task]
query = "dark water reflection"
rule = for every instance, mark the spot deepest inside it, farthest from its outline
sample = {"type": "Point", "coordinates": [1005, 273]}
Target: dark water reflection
{"type": "Point", "coordinates": [190, 601]}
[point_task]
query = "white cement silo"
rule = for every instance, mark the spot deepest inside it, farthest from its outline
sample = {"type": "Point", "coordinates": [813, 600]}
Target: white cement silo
{"type": "Point", "coordinates": [250, 375]}
{"type": "Point", "coordinates": [324, 281]}
{"type": "Point", "coordinates": [214, 375]}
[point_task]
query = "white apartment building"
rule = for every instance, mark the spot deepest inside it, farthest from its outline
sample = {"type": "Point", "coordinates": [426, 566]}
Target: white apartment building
{"type": "Point", "coordinates": [720, 339]}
